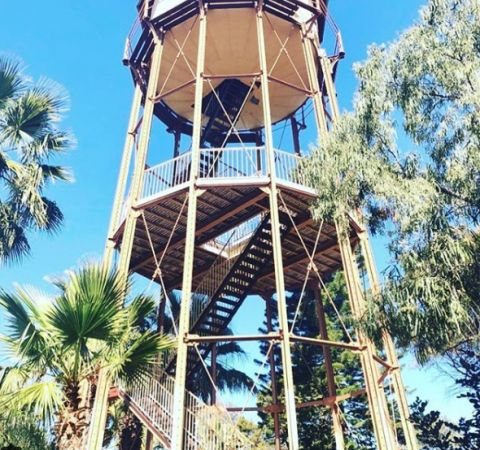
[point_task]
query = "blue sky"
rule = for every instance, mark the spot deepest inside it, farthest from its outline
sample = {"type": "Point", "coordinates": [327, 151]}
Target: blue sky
{"type": "Point", "coordinates": [80, 45]}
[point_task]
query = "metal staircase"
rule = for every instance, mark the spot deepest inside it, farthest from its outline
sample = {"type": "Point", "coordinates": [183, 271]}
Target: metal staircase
{"type": "Point", "coordinates": [231, 285]}
{"type": "Point", "coordinates": [206, 427]}
{"type": "Point", "coordinates": [223, 288]}
{"type": "Point", "coordinates": [222, 107]}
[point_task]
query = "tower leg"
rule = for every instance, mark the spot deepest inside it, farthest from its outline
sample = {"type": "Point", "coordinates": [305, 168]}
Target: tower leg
{"type": "Point", "coordinates": [184, 321]}
{"type": "Point", "coordinates": [376, 395]}
{"type": "Point", "coordinates": [327, 354]}
{"type": "Point", "coordinates": [140, 160]}
{"type": "Point", "coordinates": [398, 386]}
{"type": "Point", "coordinates": [289, 387]}
{"type": "Point", "coordinates": [123, 174]}
{"type": "Point", "coordinates": [273, 377]}
{"type": "Point", "coordinates": [100, 407]}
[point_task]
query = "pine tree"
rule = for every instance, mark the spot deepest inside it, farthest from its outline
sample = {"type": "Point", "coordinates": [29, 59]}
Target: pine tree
{"type": "Point", "coordinates": [315, 423]}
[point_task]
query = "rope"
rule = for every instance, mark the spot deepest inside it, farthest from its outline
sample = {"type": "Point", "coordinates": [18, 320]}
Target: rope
{"type": "Point", "coordinates": [173, 230]}
{"type": "Point", "coordinates": [212, 382]}
{"type": "Point", "coordinates": [312, 262]}
{"type": "Point", "coordinates": [297, 310]}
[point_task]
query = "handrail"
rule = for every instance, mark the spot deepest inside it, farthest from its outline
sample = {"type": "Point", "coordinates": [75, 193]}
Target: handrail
{"type": "Point", "coordinates": [223, 163]}
{"type": "Point", "coordinates": [206, 427]}
{"type": "Point", "coordinates": [165, 175]}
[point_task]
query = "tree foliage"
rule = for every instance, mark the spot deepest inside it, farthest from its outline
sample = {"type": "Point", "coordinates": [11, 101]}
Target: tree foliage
{"type": "Point", "coordinates": [29, 139]}
{"type": "Point", "coordinates": [315, 425]}
{"type": "Point", "coordinates": [408, 156]}
{"type": "Point", "coordinates": [59, 345]}
{"type": "Point", "coordinates": [438, 433]}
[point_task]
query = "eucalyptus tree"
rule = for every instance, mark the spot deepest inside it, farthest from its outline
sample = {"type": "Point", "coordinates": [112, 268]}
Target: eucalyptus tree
{"type": "Point", "coordinates": [29, 138]}
{"type": "Point", "coordinates": [59, 345]}
{"type": "Point", "coordinates": [408, 157]}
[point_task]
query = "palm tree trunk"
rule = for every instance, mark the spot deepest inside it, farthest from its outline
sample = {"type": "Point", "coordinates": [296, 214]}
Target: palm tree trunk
{"type": "Point", "coordinates": [74, 419]}
{"type": "Point", "coordinates": [131, 433]}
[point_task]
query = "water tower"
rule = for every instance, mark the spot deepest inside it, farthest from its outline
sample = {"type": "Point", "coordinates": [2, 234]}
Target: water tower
{"type": "Point", "coordinates": [220, 210]}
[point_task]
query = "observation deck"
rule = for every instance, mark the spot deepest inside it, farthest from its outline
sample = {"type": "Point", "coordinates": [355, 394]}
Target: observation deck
{"type": "Point", "coordinates": [232, 204]}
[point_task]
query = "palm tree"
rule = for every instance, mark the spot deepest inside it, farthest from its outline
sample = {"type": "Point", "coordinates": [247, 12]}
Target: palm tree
{"type": "Point", "coordinates": [59, 347]}
{"type": "Point", "coordinates": [29, 138]}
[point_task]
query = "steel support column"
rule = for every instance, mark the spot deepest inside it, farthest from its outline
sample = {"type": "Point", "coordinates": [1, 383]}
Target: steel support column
{"type": "Point", "coordinates": [289, 387]}
{"type": "Point", "coordinates": [375, 393]}
{"type": "Point", "coordinates": [141, 158]}
{"type": "Point", "coordinates": [100, 406]}
{"type": "Point", "coordinates": [123, 175]}
{"type": "Point", "coordinates": [376, 396]}
{"type": "Point", "coordinates": [332, 388]}
{"type": "Point", "coordinates": [398, 386]}
{"type": "Point", "coordinates": [273, 376]}
{"type": "Point", "coordinates": [184, 320]}
{"type": "Point", "coordinates": [312, 72]}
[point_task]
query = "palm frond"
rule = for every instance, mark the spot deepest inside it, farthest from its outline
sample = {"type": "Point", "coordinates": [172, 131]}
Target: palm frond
{"type": "Point", "coordinates": [42, 399]}
{"type": "Point", "coordinates": [51, 143]}
{"type": "Point", "coordinates": [11, 79]}
{"type": "Point", "coordinates": [13, 241]}
{"type": "Point", "coordinates": [141, 311]}
{"type": "Point", "coordinates": [135, 361]}
{"type": "Point", "coordinates": [90, 307]}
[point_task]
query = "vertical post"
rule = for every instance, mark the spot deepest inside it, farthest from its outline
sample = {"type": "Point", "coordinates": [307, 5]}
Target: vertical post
{"type": "Point", "coordinates": [273, 377]}
{"type": "Point", "coordinates": [148, 441]}
{"type": "Point", "coordinates": [398, 386]}
{"type": "Point", "coordinates": [377, 402]}
{"type": "Point", "coordinates": [289, 387]}
{"type": "Point", "coordinates": [314, 85]}
{"type": "Point", "coordinates": [295, 134]}
{"type": "Point", "coordinates": [141, 158]}
{"type": "Point", "coordinates": [183, 327]}
{"type": "Point", "coordinates": [213, 373]}
{"type": "Point", "coordinates": [100, 406]}
{"type": "Point", "coordinates": [161, 312]}
{"type": "Point", "coordinates": [327, 354]}
{"type": "Point", "coordinates": [376, 396]}
{"type": "Point", "coordinates": [123, 175]}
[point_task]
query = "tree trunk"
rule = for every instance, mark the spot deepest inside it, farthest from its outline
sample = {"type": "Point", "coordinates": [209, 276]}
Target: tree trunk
{"type": "Point", "coordinates": [74, 419]}
{"type": "Point", "coordinates": [131, 433]}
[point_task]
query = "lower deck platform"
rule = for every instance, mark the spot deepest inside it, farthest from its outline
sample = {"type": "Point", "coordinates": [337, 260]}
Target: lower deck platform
{"type": "Point", "coordinates": [227, 217]}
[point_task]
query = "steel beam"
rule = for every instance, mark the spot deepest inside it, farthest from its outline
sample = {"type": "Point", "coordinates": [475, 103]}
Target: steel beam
{"type": "Point", "coordinates": [289, 387]}
{"type": "Point", "coordinates": [100, 407]}
{"type": "Point", "coordinates": [123, 175]}
{"type": "Point", "coordinates": [327, 355]}
{"type": "Point", "coordinates": [183, 327]}
{"type": "Point", "coordinates": [392, 359]}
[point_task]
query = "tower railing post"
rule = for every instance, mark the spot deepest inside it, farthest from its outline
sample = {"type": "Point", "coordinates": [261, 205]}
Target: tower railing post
{"type": "Point", "coordinates": [184, 320]}
{"type": "Point", "coordinates": [289, 387]}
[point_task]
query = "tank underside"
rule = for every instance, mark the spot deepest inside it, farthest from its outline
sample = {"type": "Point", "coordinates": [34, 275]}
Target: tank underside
{"type": "Point", "coordinates": [232, 69]}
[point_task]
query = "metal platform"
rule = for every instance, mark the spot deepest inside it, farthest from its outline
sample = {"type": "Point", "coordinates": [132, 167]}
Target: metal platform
{"type": "Point", "coordinates": [232, 182]}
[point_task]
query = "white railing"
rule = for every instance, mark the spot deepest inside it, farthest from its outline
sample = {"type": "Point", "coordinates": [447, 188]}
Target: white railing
{"type": "Point", "coordinates": [225, 163]}
{"type": "Point", "coordinates": [234, 162]}
{"type": "Point", "coordinates": [287, 168]}
{"type": "Point", "coordinates": [206, 427]}
{"type": "Point", "coordinates": [166, 175]}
